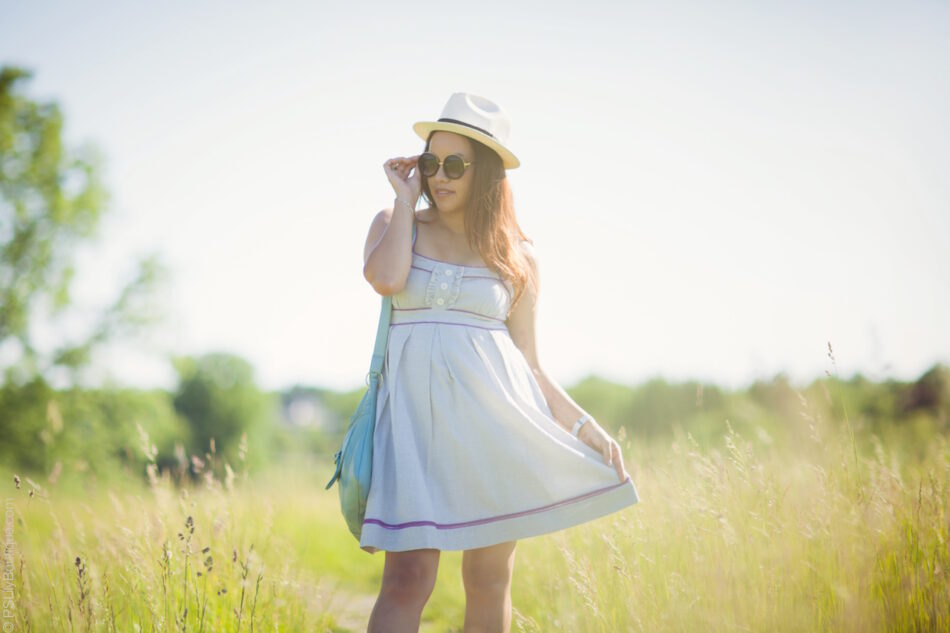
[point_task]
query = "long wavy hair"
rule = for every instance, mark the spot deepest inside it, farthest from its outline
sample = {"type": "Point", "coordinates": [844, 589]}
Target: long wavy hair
{"type": "Point", "coordinates": [491, 227]}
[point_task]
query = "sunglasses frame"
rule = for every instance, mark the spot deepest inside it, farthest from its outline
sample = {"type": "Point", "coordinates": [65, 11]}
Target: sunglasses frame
{"type": "Point", "coordinates": [441, 163]}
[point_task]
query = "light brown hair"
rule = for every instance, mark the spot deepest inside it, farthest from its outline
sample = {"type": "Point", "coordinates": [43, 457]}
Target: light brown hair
{"type": "Point", "coordinates": [491, 227]}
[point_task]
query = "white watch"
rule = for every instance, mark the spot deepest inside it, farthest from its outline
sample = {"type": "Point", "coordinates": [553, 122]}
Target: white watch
{"type": "Point", "coordinates": [577, 425]}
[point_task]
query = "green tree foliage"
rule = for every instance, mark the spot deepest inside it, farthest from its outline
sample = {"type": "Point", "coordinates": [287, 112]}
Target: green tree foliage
{"type": "Point", "coordinates": [649, 410]}
{"type": "Point", "coordinates": [23, 418]}
{"type": "Point", "coordinates": [931, 393]}
{"type": "Point", "coordinates": [51, 201]}
{"type": "Point", "coordinates": [774, 411]}
{"type": "Point", "coordinates": [218, 397]}
{"type": "Point", "coordinates": [78, 431]}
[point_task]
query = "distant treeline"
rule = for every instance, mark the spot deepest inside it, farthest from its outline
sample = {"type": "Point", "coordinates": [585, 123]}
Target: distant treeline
{"type": "Point", "coordinates": [107, 432]}
{"type": "Point", "coordinates": [774, 411]}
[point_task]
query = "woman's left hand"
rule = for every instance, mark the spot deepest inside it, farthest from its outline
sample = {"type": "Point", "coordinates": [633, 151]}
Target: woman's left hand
{"type": "Point", "coordinates": [597, 438]}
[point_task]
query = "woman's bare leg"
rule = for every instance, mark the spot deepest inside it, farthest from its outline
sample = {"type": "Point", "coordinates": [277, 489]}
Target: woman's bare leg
{"type": "Point", "coordinates": [408, 580]}
{"type": "Point", "coordinates": [486, 574]}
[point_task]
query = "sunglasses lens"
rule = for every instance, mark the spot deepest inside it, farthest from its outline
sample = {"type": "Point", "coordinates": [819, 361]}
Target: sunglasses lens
{"type": "Point", "coordinates": [428, 164]}
{"type": "Point", "coordinates": [454, 166]}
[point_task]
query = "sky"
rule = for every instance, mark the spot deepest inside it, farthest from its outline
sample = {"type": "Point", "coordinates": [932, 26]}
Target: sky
{"type": "Point", "coordinates": [715, 191]}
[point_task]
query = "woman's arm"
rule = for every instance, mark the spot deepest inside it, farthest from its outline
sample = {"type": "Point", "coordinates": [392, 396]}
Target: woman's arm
{"type": "Point", "coordinates": [387, 253]}
{"type": "Point", "coordinates": [521, 325]}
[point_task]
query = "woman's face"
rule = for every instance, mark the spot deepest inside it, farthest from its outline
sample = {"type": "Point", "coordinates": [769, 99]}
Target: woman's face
{"type": "Point", "coordinates": [450, 195]}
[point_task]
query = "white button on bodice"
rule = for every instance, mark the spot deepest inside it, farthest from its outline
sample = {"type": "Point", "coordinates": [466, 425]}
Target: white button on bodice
{"type": "Point", "coordinates": [453, 293]}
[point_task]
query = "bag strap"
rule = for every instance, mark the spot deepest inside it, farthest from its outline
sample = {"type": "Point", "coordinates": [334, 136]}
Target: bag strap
{"type": "Point", "coordinates": [382, 332]}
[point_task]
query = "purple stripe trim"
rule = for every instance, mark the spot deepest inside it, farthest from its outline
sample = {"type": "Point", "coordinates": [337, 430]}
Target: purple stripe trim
{"type": "Point", "coordinates": [480, 277]}
{"type": "Point", "coordinates": [501, 517]}
{"type": "Point", "coordinates": [498, 278]}
{"type": "Point", "coordinates": [442, 261]}
{"type": "Point", "coordinates": [484, 316]}
{"type": "Point", "coordinates": [464, 277]}
{"type": "Point", "coordinates": [449, 323]}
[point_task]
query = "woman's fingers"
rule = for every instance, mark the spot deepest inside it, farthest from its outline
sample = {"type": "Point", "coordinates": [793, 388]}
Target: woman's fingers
{"type": "Point", "coordinates": [618, 462]}
{"type": "Point", "coordinates": [397, 170]}
{"type": "Point", "coordinates": [609, 449]}
{"type": "Point", "coordinates": [402, 161]}
{"type": "Point", "coordinates": [394, 164]}
{"type": "Point", "coordinates": [599, 441]}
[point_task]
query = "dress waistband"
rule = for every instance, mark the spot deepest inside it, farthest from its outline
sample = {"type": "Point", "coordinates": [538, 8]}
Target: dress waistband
{"type": "Point", "coordinates": [445, 316]}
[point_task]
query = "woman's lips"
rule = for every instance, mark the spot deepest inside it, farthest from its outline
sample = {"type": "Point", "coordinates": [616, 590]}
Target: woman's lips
{"type": "Point", "coordinates": [443, 192]}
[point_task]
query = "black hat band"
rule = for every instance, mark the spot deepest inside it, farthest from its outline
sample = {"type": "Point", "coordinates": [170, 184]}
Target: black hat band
{"type": "Point", "coordinates": [474, 127]}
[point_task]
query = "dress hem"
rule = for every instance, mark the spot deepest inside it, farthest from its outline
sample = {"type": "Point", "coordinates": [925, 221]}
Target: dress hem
{"type": "Point", "coordinates": [377, 535]}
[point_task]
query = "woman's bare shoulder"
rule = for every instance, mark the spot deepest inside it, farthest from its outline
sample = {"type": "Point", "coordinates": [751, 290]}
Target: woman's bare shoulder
{"type": "Point", "coordinates": [385, 215]}
{"type": "Point", "coordinates": [381, 221]}
{"type": "Point", "coordinates": [378, 226]}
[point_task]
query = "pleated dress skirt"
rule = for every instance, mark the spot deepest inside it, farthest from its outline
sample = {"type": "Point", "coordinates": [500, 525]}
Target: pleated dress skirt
{"type": "Point", "coordinates": [466, 453]}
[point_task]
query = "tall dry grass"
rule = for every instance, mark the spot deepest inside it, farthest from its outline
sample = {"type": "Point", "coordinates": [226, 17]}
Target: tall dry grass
{"type": "Point", "coordinates": [750, 537]}
{"type": "Point", "coordinates": [167, 557]}
{"type": "Point", "coordinates": [744, 535]}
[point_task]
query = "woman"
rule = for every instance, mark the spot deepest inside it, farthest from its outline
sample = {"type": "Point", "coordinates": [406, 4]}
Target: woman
{"type": "Point", "coordinates": [475, 445]}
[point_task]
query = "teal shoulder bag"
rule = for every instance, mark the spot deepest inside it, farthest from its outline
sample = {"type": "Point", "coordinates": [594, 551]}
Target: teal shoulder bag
{"type": "Point", "coordinates": [354, 460]}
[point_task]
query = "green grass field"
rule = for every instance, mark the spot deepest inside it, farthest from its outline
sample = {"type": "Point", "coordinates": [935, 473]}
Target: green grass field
{"type": "Point", "coordinates": [740, 536]}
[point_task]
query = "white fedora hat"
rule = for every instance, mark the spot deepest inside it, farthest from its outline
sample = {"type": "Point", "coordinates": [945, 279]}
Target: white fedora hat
{"type": "Point", "coordinates": [477, 118]}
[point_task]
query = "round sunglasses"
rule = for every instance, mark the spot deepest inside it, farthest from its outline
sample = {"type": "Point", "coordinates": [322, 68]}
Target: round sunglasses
{"type": "Point", "coordinates": [453, 165]}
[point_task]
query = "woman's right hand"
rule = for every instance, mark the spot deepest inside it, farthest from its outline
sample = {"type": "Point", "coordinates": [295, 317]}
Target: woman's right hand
{"type": "Point", "coordinates": [406, 187]}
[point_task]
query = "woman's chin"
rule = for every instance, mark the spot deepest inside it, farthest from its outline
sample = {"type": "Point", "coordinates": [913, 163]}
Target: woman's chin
{"type": "Point", "coordinates": [445, 206]}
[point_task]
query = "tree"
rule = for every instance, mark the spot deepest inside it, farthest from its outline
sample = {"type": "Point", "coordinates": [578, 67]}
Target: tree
{"type": "Point", "coordinates": [52, 200]}
{"type": "Point", "coordinates": [218, 397]}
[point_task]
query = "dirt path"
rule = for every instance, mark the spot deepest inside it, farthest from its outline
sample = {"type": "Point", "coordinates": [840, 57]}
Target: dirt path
{"type": "Point", "coordinates": [351, 609]}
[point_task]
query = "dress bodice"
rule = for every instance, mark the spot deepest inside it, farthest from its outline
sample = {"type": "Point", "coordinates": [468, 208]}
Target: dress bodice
{"type": "Point", "coordinates": [443, 292]}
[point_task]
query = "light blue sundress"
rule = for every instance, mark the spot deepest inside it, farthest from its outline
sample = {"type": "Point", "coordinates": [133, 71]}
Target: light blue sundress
{"type": "Point", "coordinates": [466, 453]}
